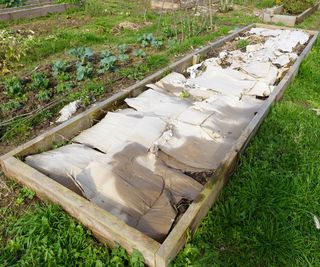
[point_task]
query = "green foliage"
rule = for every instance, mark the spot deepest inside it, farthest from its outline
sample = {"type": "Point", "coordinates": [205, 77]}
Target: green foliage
{"type": "Point", "coordinates": [14, 3]}
{"type": "Point", "coordinates": [243, 43]}
{"type": "Point", "coordinates": [123, 57]}
{"type": "Point", "coordinates": [84, 71]}
{"type": "Point", "coordinates": [88, 92]}
{"type": "Point", "coordinates": [107, 62]}
{"type": "Point", "coordinates": [59, 67]}
{"type": "Point", "coordinates": [64, 87]}
{"type": "Point", "coordinates": [123, 48]}
{"type": "Point", "coordinates": [63, 77]}
{"type": "Point", "coordinates": [83, 54]}
{"type": "Point", "coordinates": [47, 236]}
{"type": "Point", "coordinates": [12, 104]}
{"type": "Point", "coordinates": [39, 81]}
{"type": "Point", "coordinates": [25, 193]}
{"type": "Point", "coordinates": [13, 46]}
{"type": "Point", "coordinates": [139, 53]}
{"type": "Point", "coordinates": [95, 8]}
{"type": "Point", "coordinates": [265, 3]}
{"type": "Point", "coordinates": [44, 95]}
{"type": "Point", "coordinates": [297, 6]}
{"type": "Point", "coordinates": [148, 39]}
{"type": "Point", "coordinates": [184, 94]}
{"type": "Point", "coordinates": [13, 87]}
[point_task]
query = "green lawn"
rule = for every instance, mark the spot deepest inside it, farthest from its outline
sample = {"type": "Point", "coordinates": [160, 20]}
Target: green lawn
{"type": "Point", "coordinates": [264, 217]}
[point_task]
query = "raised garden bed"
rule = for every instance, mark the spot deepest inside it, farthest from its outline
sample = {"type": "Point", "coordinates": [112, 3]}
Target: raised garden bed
{"type": "Point", "coordinates": [108, 228]}
{"type": "Point", "coordinates": [174, 4]}
{"type": "Point", "coordinates": [276, 15]}
{"type": "Point", "coordinates": [33, 9]}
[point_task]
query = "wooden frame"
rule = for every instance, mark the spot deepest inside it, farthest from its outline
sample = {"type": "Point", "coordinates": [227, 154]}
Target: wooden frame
{"type": "Point", "coordinates": [33, 10]}
{"type": "Point", "coordinates": [106, 227]}
{"type": "Point", "coordinates": [275, 15]}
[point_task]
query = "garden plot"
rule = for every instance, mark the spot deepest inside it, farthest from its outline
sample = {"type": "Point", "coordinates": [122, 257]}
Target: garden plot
{"type": "Point", "coordinates": [142, 162]}
{"type": "Point", "coordinates": [277, 14]}
{"type": "Point", "coordinates": [193, 133]}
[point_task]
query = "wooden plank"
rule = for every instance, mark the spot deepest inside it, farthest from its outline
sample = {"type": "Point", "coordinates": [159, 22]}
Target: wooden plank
{"type": "Point", "coordinates": [200, 207]}
{"type": "Point", "coordinates": [307, 13]}
{"type": "Point", "coordinates": [275, 15]}
{"type": "Point", "coordinates": [270, 26]}
{"type": "Point", "coordinates": [34, 11]}
{"type": "Point", "coordinates": [104, 225]}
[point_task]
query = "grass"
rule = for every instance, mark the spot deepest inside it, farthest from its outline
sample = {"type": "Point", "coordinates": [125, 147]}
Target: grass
{"type": "Point", "coordinates": [264, 216]}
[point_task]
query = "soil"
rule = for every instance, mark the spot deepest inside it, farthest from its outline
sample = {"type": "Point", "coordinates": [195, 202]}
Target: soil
{"type": "Point", "coordinates": [47, 26]}
{"type": "Point", "coordinates": [127, 25]}
{"type": "Point", "coordinates": [33, 104]}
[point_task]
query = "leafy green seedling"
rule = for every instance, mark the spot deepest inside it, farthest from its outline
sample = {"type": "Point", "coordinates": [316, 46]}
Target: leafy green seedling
{"type": "Point", "coordinates": [83, 54]}
{"type": "Point", "coordinates": [64, 87]}
{"type": "Point", "coordinates": [63, 77]}
{"type": "Point", "coordinates": [172, 42]}
{"type": "Point", "coordinates": [84, 71]}
{"type": "Point", "coordinates": [157, 43]}
{"type": "Point", "coordinates": [44, 95]}
{"type": "Point", "coordinates": [146, 39]}
{"type": "Point", "coordinates": [139, 53]}
{"type": "Point", "coordinates": [242, 44]}
{"type": "Point", "coordinates": [107, 64]}
{"type": "Point", "coordinates": [25, 193]}
{"type": "Point", "coordinates": [13, 87]}
{"type": "Point", "coordinates": [184, 94]}
{"type": "Point", "coordinates": [39, 81]}
{"type": "Point", "coordinates": [123, 57]}
{"type": "Point", "coordinates": [105, 53]}
{"type": "Point", "coordinates": [59, 67]}
{"type": "Point", "coordinates": [123, 48]}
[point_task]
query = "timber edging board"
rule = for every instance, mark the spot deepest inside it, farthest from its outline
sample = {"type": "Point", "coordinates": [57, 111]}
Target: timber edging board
{"type": "Point", "coordinates": [33, 11]}
{"type": "Point", "coordinates": [274, 15]}
{"type": "Point", "coordinates": [106, 227]}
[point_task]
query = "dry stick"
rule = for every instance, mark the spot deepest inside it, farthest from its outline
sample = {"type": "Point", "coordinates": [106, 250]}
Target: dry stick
{"type": "Point", "coordinates": [174, 21]}
{"type": "Point", "coordinates": [182, 28]}
{"type": "Point", "coordinates": [194, 17]}
{"type": "Point", "coordinates": [160, 17]}
{"type": "Point", "coordinates": [53, 103]}
{"type": "Point", "coordinates": [210, 14]}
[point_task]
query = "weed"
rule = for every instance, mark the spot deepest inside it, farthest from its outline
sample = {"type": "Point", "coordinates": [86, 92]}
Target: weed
{"type": "Point", "coordinates": [25, 193]}
{"type": "Point", "coordinates": [13, 87]}
{"type": "Point", "coordinates": [242, 44]}
{"type": "Point", "coordinates": [63, 77]}
{"type": "Point", "coordinates": [64, 87]}
{"type": "Point", "coordinates": [39, 81]}
{"type": "Point", "coordinates": [44, 95]}
{"type": "Point", "coordinates": [12, 104]}
{"type": "Point", "coordinates": [14, 3]}
{"type": "Point", "coordinates": [184, 94]}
